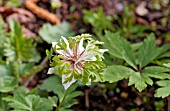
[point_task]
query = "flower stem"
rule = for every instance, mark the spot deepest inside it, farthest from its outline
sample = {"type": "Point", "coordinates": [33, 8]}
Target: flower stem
{"type": "Point", "coordinates": [62, 101]}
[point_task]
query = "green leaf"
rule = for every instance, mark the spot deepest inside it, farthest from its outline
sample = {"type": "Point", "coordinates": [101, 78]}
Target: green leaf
{"type": "Point", "coordinates": [115, 73]}
{"type": "Point", "coordinates": [2, 37]}
{"type": "Point", "coordinates": [68, 99]}
{"type": "Point", "coordinates": [63, 109]}
{"type": "Point", "coordinates": [120, 48]}
{"type": "Point", "coordinates": [18, 48]}
{"type": "Point", "coordinates": [21, 90]}
{"type": "Point", "coordinates": [29, 103]}
{"type": "Point", "coordinates": [26, 70]}
{"type": "Point", "coordinates": [167, 65]}
{"type": "Point", "coordinates": [8, 81]}
{"type": "Point", "coordinates": [139, 80]}
{"type": "Point", "coordinates": [148, 51]}
{"type": "Point", "coordinates": [98, 20]}
{"type": "Point", "coordinates": [54, 100]}
{"type": "Point", "coordinates": [53, 84]}
{"type": "Point", "coordinates": [164, 89]}
{"type": "Point", "coordinates": [53, 33]}
{"type": "Point", "coordinates": [157, 72]}
{"type": "Point", "coordinates": [3, 104]}
{"type": "Point", "coordinates": [13, 3]}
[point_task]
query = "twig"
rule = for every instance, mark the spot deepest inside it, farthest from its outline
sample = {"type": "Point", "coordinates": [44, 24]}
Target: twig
{"type": "Point", "coordinates": [41, 12]}
{"type": "Point", "coordinates": [87, 98]}
{"type": "Point", "coordinates": [168, 103]}
{"type": "Point", "coordinates": [103, 93]}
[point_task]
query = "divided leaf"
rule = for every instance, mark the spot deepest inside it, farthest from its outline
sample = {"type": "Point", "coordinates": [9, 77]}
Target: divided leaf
{"type": "Point", "coordinates": [69, 99]}
{"type": "Point", "coordinates": [164, 89]}
{"type": "Point", "coordinates": [120, 48]}
{"type": "Point", "coordinates": [52, 33]}
{"type": "Point", "coordinates": [157, 72]}
{"type": "Point", "coordinates": [28, 103]}
{"type": "Point", "coordinates": [140, 81]}
{"type": "Point", "coordinates": [3, 104]}
{"type": "Point", "coordinates": [18, 48]}
{"type": "Point", "coordinates": [138, 56]}
{"type": "Point", "coordinates": [66, 97]}
{"type": "Point", "coordinates": [8, 81]}
{"type": "Point", "coordinates": [115, 73]}
{"type": "Point", "coordinates": [148, 51]}
{"type": "Point", "coordinates": [53, 84]}
{"type": "Point", "coordinates": [98, 20]}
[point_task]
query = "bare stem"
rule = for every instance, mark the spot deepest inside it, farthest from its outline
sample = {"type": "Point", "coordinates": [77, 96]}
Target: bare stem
{"type": "Point", "coordinates": [42, 64]}
{"type": "Point", "coordinates": [168, 103]}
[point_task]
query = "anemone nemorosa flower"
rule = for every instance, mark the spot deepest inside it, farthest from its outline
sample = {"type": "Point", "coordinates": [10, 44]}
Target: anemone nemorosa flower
{"type": "Point", "coordinates": [74, 60]}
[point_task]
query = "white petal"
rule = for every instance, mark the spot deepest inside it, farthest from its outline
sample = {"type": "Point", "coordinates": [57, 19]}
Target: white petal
{"type": "Point", "coordinates": [68, 84]}
{"type": "Point", "coordinates": [77, 69]}
{"type": "Point", "coordinates": [65, 40]}
{"type": "Point", "coordinates": [54, 45]}
{"type": "Point", "coordinates": [51, 70]}
{"type": "Point", "coordinates": [89, 83]}
{"type": "Point", "coordinates": [103, 50]}
{"type": "Point", "coordinates": [100, 52]}
{"type": "Point", "coordinates": [62, 52]}
{"type": "Point", "coordinates": [90, 47]}
{"type": "Point", "coordinates": [67, 45]}
{"type": "Point", "coordinates": [91, 59]}
{"type": "Point", "coordinates": [80, 47]}
{"type": "Point", "coordinates": [89, 56]}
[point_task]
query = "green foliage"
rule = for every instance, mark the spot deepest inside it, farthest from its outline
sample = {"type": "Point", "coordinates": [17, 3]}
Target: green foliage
{"type": "Point", "coordinates": [120, 48]}
{"type": "Point", "coordinates": [11, 3]}
{"type": "Point", "coordinates": [98, 20]}
{"type": "Point", "coordinates": [158, 105]}
{"type": "Point", "coordinates": [150, 50]}
{"type": "Point", "coordinates": [125, 27]}
{"type": "Point", "coordinates": [115, 73]}
{"type": "Point", "coordinates": [8, 80]}
{"type": "Point", "coordinates": [2, 37]}
{"type": "Point", "coordinates": [28, 103]}
{"type": "Point", "coordinates": [55, 4]}
{"type": "Point", "coordinates": [19, 48]}
{"type": "Point", "coordinates": [66, 97]}
{"type": "Point", "coordinates": [22, 50]}
{"type": "Point", "coordinates": [52, 33]}
{"type": "Point", "coordinates": [3, 104]}
{"type": "Point", "coordinates": [164, 89]}
{"type": "Point", "coordinates": [18, 56]}
{"type": "Point", "coordinates": [53, 84]}
{"type": "Point", "coordinates": [140, 80]}
{"type": "Point", "coordinates": [138, 58]}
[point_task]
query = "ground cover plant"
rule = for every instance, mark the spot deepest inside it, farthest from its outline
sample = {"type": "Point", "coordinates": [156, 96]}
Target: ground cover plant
{"type": "Point", "coordinates": [58, 55]}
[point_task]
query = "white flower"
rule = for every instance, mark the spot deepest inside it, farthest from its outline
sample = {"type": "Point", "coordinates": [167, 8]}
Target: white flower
{"type": "Point", "coordinates": [76, 55]}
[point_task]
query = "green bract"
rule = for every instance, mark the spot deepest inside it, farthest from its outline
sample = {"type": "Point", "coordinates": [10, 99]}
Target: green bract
{"type": "Point", "coordinates": [73, 60]}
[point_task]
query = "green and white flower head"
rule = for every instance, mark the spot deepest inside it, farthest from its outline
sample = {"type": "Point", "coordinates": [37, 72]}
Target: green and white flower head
{"type": "Point", "coordinates": [78, 58]}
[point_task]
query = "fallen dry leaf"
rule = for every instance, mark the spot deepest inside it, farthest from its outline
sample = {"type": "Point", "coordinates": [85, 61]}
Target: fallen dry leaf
{"type": "Point", "coordinates": [27, 32]}
{"type": "Point", "coordinates": [141, 9]}
{"type": "Point", "coordinates": [21, 16]}
{"type": "Point", "coordinates": [18, 14]}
